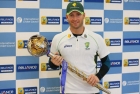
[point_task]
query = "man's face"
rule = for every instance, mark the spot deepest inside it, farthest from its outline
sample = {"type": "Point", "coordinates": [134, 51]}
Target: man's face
{"type": "Point", "coordinates": [75, 19]}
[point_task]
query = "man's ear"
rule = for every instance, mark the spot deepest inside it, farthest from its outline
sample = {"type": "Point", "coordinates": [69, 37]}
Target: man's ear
{"type": "Point", "coordinates": [84, 15]}
{"type": "Point", "coordinates": [67, 17]}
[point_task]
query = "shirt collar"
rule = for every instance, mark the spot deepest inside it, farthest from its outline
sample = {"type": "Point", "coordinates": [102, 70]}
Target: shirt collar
{"type": "Point", "coordinates": [70, 35]}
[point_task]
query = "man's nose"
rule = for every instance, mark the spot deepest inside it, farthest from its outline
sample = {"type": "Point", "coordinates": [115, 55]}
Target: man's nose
{"type": "Point", "coordinates": [74, 17]}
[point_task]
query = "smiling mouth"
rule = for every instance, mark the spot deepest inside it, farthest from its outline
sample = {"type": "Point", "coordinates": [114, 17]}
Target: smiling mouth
{"type": "Point", "coordinates": [75, 22]}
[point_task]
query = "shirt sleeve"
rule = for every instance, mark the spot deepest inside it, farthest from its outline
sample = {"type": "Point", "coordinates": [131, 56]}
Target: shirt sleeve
{"type": "Point", "coordinates": [103, 54]}
{"type": "Point", "coordinates": [102, 50]}
{"type": "Point", "coordinates": [53, 50]}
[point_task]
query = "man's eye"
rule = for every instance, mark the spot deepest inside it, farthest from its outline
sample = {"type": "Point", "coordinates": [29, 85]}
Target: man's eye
{"type": "Point", "coordinates": [78, 14]}
{"type": "Point", "coordinates": [71, 15]}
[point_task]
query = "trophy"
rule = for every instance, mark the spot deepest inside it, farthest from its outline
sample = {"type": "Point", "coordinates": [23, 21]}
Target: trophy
{"type": "Point", "coordinates": [38, 46]}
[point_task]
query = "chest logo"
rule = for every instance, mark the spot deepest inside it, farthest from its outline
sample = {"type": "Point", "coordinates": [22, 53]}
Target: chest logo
{"type": "Point", "coordinates": [67, 46]}
{"type": "Point", "coordinates": [87, 46]}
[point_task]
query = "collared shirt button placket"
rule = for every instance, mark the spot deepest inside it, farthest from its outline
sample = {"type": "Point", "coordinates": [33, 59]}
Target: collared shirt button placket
{"type": "Point", "coordinates": [77, 43]}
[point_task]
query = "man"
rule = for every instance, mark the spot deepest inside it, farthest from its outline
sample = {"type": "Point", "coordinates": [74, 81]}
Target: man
{"type": "Point", "coordinates": [78, 46]}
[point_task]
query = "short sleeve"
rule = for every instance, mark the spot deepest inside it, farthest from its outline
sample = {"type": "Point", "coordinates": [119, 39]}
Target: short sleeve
{"type": "Point", "coordinates": [54, 43]}
{"type": "Point", "coordinates": [103, 50]}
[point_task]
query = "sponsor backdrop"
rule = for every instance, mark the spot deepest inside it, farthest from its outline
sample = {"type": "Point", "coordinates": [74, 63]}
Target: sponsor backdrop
{"type": "Point", "coordinates": [118, 21]}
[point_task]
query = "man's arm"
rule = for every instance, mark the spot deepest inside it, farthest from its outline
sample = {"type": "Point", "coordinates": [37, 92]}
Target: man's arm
{"type": "Point", "coordinates": [104, 68]}
{"type": "Point", "coordinates": [52, 65]}
{"type": "Point", "coordinates": [55, 61]}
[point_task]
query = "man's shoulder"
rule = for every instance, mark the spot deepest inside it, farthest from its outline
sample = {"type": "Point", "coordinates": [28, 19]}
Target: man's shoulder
{"type": "Point", "coordinates": [61, 35]}
{"type": "Point", "coordinates": [93, 34]}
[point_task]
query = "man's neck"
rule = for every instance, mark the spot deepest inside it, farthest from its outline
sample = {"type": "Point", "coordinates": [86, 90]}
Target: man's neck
{"type": "Point", "coordinates": [77, 31]}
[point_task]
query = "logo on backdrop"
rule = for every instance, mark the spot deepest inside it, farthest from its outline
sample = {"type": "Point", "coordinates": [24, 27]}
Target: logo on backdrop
{"type": "Point", "coordinates": [130, 62]}
{"type": "Point", "coordinates": [99, 64]}
{"type": "Point", "coordinates": [6, 20]}
{"type": "Point", "coordinates": [7, 44]}
{"type": "Point", "coordinates": [107, 20]}
{"type": "Point", "coordinates": [129, 82]}
{"type": "Point", "coordinates": [131, 41]}
{"type": "Point", "coordinates": [52, 86]}
{"type": "Point", "coordinates": [6, 68]}
{"type": "Point", "coordinates": [27, 20]}
{"type": "Point", "coordinates": [125, 0]}
{"type": "Point", "coordinates": [113, 42]}
{"type": "Point", "coordinates": [112, 84]}
{"type": "Point", "coordinates": [42, 89]}
{"type": "Point", "coordinates": [113, 22]}
{"type": "Point", "coordinates": [8, 91]}
{"type": "Point", "coordinates": [27, 0]}
{"type": "Point", "coordinates": [49, 89]}
{"type": "Point", "coordinates": [65, 21]}
{"type": "Point", "coordinates": [46, 67]}
{"type": "Point", "coordinates": [98, 1]}
{"type": "Point", "coordinates": [116, 63]}
{"type": "Point", "coordinates": [27, 67]}
{"type": "Point", "coordinates": [72, 0]}
{"type": "Point", "coordinates": [50, 20]}
{"type": "Point", "coordinates": [134, 1]}
{"type": "Point", "coordinates": [113, 1]}
{"type": "Point", "coordinates": [93, 20]}
{"type": "Point", "coordinates": [27, 90]}
{"type": "Point", "coordinates": [127, 5]}
{"type": "Point", "coordinates": [131, 20]}
{"type": "Point", "coordinates": [22, 44]}
{"type": "Point", "coordinates": [19, 20]}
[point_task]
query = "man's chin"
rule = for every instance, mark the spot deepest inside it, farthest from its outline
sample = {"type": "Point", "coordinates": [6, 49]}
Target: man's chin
{"type": "Point", "coordinates": [75, 27]}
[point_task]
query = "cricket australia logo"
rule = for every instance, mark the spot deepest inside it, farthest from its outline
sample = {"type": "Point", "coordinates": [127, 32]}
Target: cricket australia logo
{"type": "Point", "coordinates": [87, 46]}
{"type": "Point", "coordinates": [74, 4]}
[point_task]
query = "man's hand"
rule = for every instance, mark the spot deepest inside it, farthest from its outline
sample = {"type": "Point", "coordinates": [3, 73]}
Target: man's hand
{"type": "Point", "coordinates": [92, 80]}
{"type": "Point", "coordinates": [57, 59]}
